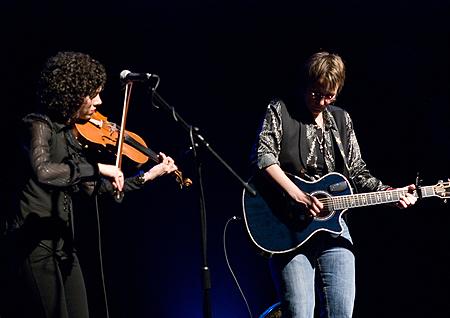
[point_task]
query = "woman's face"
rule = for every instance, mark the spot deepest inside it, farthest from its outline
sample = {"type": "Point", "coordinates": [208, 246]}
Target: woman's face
{"type": "Point", "coordinates": [89, 107]}
{"type": "Point", "coordinates": [318, 97]}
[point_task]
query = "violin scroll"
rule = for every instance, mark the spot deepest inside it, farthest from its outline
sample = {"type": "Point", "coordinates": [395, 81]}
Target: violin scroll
{"type": "Point", "coordinates": [179, 178]}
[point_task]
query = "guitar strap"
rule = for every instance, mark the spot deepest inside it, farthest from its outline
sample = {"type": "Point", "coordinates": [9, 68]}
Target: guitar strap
{"type": "Point", "coordinates": [335, 132]}
{"type": "Point", "coordinates": [338, 140]}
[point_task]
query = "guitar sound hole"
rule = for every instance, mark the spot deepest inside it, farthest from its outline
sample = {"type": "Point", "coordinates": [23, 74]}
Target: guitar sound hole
{"type": "Point", "coordinates": [327, 209]}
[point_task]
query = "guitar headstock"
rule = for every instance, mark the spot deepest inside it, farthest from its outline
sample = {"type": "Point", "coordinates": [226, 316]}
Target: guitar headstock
{"type": "Point", "coordinates": [442, 189]}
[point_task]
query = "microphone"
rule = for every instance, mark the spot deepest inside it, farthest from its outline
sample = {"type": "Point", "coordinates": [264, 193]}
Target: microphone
{"type": "Point", "coordinates": [127, 77]}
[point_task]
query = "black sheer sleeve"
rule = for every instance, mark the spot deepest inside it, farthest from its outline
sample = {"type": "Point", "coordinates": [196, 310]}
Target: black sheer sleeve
{"type": "Point", "coordinates": [50, 161]}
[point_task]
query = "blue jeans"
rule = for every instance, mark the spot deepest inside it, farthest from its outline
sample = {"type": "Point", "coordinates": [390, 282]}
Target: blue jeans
{"type": "Point", "coordinates": [325, 262]}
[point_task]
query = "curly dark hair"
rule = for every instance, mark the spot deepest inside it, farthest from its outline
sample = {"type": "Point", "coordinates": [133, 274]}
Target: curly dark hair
{"type": "Point", "coordinates": [67, 79]}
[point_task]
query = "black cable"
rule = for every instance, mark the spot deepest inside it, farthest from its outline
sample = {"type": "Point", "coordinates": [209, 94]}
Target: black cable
{"type": "Point", "coordinates": [229, 266]}
{"type": "Point", "coordinates": [101, 258]}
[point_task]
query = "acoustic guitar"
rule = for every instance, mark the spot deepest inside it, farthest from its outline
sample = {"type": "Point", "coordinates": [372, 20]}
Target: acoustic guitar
{"type": "Point", "coordinates": [276, 225]}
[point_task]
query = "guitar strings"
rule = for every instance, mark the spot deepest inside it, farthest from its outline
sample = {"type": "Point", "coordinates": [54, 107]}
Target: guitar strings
{"type": "Point", "coordinates": [328, 201]}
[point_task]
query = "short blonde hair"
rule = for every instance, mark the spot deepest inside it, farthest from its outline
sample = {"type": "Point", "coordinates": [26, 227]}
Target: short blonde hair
{"type": "Point", "coordinates": [326, 68]}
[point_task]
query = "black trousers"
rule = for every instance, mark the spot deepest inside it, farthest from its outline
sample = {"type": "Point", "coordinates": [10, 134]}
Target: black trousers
{"type": "Point", "coordinates": [46, 284]}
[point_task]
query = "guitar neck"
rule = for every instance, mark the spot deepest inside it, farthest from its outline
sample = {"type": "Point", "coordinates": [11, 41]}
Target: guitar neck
{"type": "Point", "coordinates": [375, 198]}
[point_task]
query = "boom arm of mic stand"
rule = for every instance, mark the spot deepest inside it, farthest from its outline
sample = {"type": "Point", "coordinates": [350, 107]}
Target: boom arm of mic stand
{"type": "Point", "coordinates": [206, 280]}
{"type": "Point", "coordinates": [202, 141]}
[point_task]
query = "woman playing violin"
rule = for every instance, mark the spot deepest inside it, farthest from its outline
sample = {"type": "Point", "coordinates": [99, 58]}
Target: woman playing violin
{"type": "Point", "coordinates": [46, 279]}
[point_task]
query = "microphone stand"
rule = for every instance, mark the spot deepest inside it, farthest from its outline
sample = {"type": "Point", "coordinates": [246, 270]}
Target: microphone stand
{"type": "Point", "coordinates": [197, 141]}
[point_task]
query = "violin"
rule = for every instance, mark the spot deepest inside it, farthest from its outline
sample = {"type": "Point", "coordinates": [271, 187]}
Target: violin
{"type": "Point", "coordinates": [99, 133]}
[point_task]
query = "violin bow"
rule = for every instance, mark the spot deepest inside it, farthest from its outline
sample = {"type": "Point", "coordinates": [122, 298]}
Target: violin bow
{"type": "Point", "coordinates": [120, 141]}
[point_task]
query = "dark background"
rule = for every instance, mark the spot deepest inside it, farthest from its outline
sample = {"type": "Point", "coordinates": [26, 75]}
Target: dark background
{"type": "Point", "coordinates": [220, 63]}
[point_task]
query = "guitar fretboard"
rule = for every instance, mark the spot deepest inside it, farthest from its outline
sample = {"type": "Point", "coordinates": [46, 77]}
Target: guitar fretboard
{"type": "Point", "coordinates": [374, 198]}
